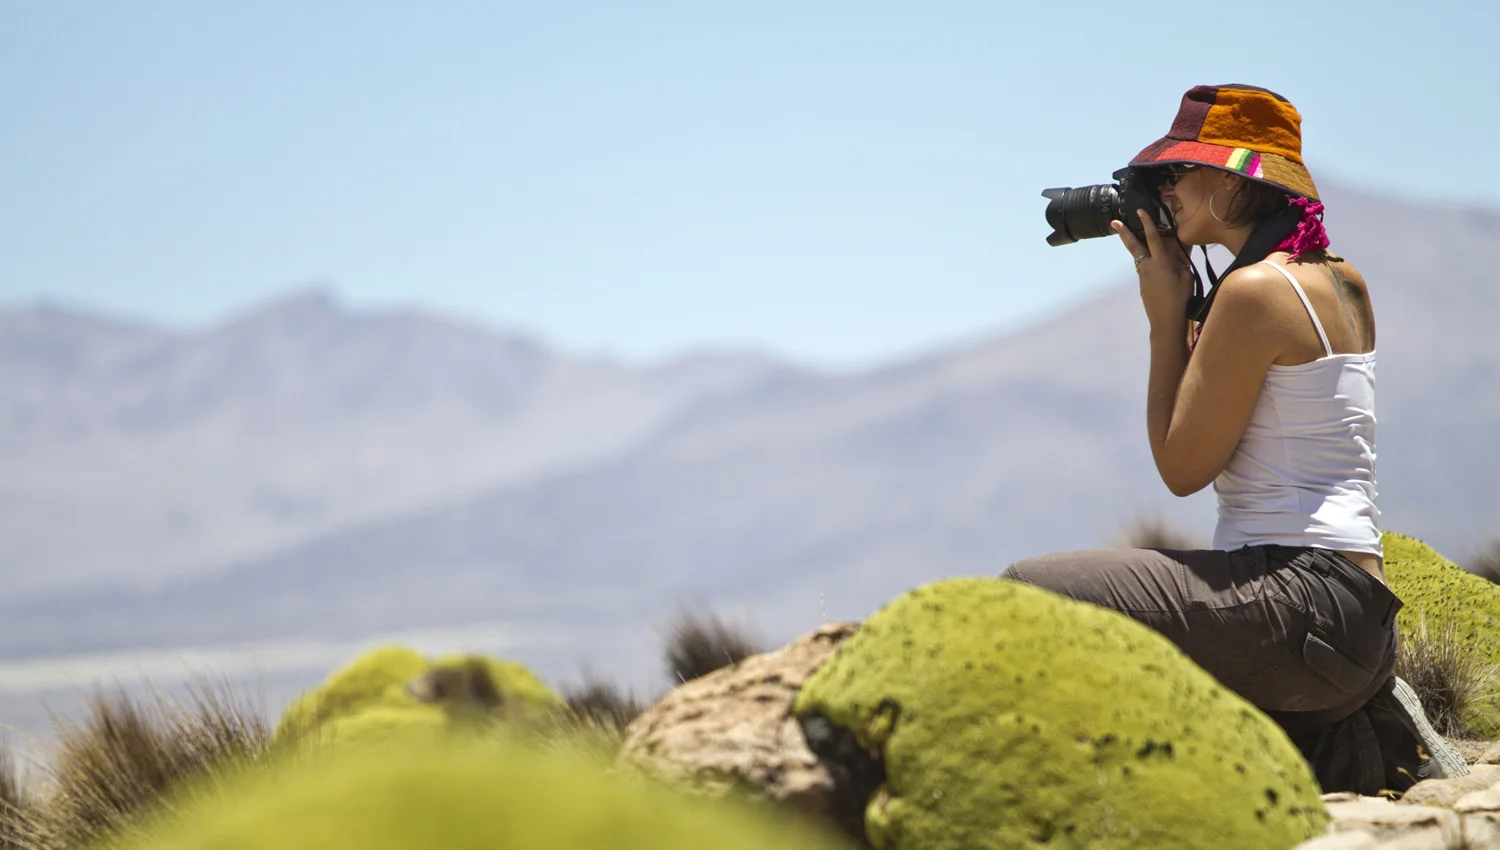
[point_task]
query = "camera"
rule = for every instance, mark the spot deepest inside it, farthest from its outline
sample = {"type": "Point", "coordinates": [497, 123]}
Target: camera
{"type": "Point", "coordinates": [1085, 212]}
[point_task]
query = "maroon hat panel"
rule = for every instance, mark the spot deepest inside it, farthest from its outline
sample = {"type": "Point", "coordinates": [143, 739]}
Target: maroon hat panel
{"type": "Point", "coordinates": [1193, 112]}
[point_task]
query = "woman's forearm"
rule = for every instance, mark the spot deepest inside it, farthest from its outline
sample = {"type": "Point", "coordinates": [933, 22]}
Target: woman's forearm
{"type": "Point", "coordinates": [1169, 357]}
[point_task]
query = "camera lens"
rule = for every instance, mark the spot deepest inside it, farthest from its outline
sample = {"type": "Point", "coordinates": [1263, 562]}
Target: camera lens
{"type": "Point", "coordinates": [1082, 213]}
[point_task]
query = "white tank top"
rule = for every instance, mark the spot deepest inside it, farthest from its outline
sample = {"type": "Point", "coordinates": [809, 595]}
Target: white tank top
{"type": "Point", "coordinates": [1304, 472]}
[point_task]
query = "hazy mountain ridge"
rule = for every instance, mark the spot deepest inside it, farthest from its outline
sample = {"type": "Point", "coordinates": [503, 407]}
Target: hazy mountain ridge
{"type": "Point", "coordinates": [295, 419]}
{"type": "Point", "coordinates": [796, 487]}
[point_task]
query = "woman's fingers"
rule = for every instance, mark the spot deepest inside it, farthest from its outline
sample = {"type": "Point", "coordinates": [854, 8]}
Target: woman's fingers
{"type": "Point", "coordinates": [1128, 239]}
{"type": "Point", "coordinates": [1153, 239]}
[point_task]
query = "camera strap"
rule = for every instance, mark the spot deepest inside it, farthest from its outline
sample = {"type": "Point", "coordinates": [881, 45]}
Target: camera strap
{"type": "Point", "coordinates": [1263, 240]}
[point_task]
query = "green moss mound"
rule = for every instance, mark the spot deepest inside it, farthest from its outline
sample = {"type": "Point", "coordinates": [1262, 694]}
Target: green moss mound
{"type": "Point", "coordinates": [375, 696]}
{"type": "Point", "coordinates": [468, 798]}
{"type": "Point", "coordinates": [377, 677]}
{"type": "Point", "coordinates": [1011, 717]}
{"type": "Point", "coordinates": [1449, 597]}
{"type": "Point", "coordinates": [382, 724]}
{"type": "Point", "coordinates": [521, 690]}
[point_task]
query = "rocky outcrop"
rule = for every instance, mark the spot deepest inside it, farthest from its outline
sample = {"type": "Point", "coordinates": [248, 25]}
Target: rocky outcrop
{"type": "Point", "coordinates": [732, 731]}
{"type": "Point", "coordinates": [1439, 814]}
{"type": "Point", "coordinates": [1491, 755]}
{"type": "Point", "coordinates": [1007, 716]}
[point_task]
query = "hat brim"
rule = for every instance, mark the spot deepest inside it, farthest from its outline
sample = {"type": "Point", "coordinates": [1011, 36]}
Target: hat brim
{"type": "Point", "coordinates": [1274, 169]}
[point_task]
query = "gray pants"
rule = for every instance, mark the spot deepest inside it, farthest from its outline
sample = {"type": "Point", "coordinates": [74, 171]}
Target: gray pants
{"type": "Point", "coordinates": [1303, 634]}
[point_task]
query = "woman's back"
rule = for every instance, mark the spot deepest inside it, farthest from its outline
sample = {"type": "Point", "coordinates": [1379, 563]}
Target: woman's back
{"type": "Point", "coordinates": [1303, 473]}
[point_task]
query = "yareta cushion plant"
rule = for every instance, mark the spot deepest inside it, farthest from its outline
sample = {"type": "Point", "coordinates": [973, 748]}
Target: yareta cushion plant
{"type": "Point", "coordinates": [383, 691]}
{"type": "Point", "coordinates": [1006, 716]}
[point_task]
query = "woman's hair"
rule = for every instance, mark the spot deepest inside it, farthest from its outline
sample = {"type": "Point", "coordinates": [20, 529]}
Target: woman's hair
{"type": "Point", "coordinates": [1254, 203]}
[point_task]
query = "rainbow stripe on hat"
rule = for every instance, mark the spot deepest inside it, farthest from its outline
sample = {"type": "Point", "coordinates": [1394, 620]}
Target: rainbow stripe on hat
{"type": "Point", "coordinates": [1246, 162]}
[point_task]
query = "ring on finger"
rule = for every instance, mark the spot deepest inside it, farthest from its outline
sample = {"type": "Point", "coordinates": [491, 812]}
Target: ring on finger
{"type": "Point", "coordinates": [1140, 258]}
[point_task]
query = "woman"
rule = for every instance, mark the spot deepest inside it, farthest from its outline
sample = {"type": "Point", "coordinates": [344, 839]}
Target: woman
{"type": "Point", "coordinates": [1271, 399]}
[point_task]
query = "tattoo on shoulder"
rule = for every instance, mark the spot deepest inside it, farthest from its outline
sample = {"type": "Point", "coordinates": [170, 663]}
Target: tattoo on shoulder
{"type": "Point", "coordinates": [1355, 306]}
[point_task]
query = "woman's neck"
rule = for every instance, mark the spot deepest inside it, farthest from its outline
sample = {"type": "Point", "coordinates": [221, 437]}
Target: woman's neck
{"type": "Point", "coordinates": [1234, 240]}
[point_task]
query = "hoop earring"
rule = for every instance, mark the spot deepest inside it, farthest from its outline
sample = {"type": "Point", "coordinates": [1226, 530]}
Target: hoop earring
{"type": "Point", "coordinates": [1211, 207]}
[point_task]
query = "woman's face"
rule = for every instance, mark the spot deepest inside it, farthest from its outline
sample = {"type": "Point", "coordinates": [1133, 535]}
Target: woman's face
{"type": "Point", "coordinates": [1187, 194]}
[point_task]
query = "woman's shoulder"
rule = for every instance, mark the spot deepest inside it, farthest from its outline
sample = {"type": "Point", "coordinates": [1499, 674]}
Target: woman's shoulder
{"type": "Point", "coordinates": [1263, 274]}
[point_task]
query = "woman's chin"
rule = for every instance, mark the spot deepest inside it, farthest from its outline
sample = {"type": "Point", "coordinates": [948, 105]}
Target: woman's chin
{"type": "Point", "coordinates": [1188, 236]}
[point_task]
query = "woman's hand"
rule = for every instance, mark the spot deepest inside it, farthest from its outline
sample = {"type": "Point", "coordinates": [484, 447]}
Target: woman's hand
{"type": "Point", "coordinates": [1166, 281]}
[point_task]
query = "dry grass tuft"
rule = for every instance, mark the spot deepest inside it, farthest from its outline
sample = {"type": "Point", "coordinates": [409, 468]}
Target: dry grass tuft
{"type": "Point", "coordinates": [700, 644]}
{"type": "Point", "coordinates": [1452, 682]}
{"type": "Point", "coordinates": [112, 769]}
{"type": "Point", "coordinates": [1487, 563]}
{"type": "Point", "coordinates": [602, 703]}
{"type": "Point", "coordinates": [1156, 532]}
{"type": "Point", "coordinates": [17, 807]}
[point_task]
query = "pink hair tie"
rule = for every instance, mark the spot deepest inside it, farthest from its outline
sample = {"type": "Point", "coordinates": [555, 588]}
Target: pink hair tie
{"type": "Point", "coordinates": [1309, 235]}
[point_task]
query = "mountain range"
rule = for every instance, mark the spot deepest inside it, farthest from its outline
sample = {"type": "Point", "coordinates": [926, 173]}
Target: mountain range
{"type": "Point", "coordinates": [307, 470]}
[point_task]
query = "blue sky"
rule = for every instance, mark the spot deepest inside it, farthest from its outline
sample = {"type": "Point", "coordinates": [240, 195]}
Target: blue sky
{"type": "Point", "coordinates": [839, 182]}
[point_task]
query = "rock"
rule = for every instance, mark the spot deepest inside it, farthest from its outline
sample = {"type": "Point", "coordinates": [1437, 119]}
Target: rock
{"type": "Point", "coordinates": [1448, 596]}
{"type": "Point", "coordinates": [1378, 815]}
{"type": "Point", "coordinates": [1486, 801]}
{"type": "Point", "coordinates": [733, 730]}
{"type": "Point", "coordinates": [1470, 750]}
{"type": "Point", "coordinates": [1342, 841]}
{"type": "Point", "coordinates": [1007, 716]}
{"type": "Point", "coordinates": [1445, 792]}
{"type": "Point", "coordinates": [1375, 822]}
{"type": "Point", "coordinates": [1491, 755]}
{"type": "Point", "coordinates": [475, 797]}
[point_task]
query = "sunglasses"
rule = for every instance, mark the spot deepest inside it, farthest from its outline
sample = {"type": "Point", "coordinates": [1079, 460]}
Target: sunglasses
{"type": "Point", "coordinates": [1177, 171]}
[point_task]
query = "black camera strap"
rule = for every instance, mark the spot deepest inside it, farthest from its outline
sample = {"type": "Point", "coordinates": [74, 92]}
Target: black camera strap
{"type": "Point", "coordinates": [1263, 240]}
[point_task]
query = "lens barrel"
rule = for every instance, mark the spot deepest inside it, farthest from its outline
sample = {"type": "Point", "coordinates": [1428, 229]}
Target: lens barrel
{"type": "Point", "coordinates": [1081, 213]}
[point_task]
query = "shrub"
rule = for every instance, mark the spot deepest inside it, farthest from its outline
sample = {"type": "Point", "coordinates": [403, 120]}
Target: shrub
{"type": "Point", "coordinates": [113, 768]}
{"type": "Point", "coordinates": [1486, 564]}
{"type": "Point", "coordinates": [1156, 532]}
{"type": "Point", "coordinates": [18, 826]}
{"type": "Point", "coordinates": [700, 644]}
{"type": "Point", "coordinates": [1454, 602]}
{"type": "Point", "coordinates": [1456, 686]}
{"type": "Point", "coordinates": [602, 703]}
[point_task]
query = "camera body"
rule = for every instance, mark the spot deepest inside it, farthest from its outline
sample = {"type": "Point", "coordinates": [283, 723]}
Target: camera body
{"type": "Point", "coordinates": [1085, 212]}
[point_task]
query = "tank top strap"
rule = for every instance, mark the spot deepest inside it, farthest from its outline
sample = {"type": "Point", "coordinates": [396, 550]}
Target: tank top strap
{"type": "Point", "coordinates": [1327, 349]}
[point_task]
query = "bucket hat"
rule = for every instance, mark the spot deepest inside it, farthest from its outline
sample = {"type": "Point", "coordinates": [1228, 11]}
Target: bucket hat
{"type": "Point", "coordinates": [1251, 131]}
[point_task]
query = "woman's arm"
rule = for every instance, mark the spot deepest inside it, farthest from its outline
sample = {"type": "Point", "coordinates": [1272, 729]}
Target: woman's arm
{"type": "Point", "coordinates": [1197, 406]}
